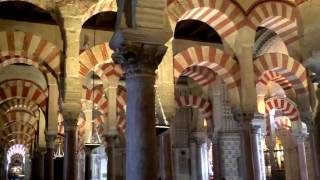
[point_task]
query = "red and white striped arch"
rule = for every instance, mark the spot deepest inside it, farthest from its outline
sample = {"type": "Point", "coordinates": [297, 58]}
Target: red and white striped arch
{"type": "Point", "coordinates": [285, 66]}
{"type": "Point", "coordinates": [12, 142]}
{"type": "Point", "coordinates": [223, 16]}
{"type": "Point", "coordinates": [17, 138]}
{"type": "Point", "coordinates": [23, 89]}
{"type": "Point", "coordinates": [22, 47]}
{"type": "Point", "coordinates": [121, 108]}
{"type": "Point", "coordinates": [98, 59]}
{"type": "Point", "coordinates": [100, 6]}
{"type": "Point", "coordinates": [108, 71]}
{"type": "Point", "coordinates": [209, 57]}
{"type": "Point", "coordinates": [282, 122]}
{"type": "Point", "coordinates": [202, 104]}
{"type": "Point", "coordinates": [97, 97]}
{"type": "Point", "coordinates": [202, 75]}
{"type": "Point", "coordinates": [19, 104]}
{"type": "Point", "coordinates": [121, 98]}
{"type": "Point", "coordinates": [19, 116]}
{"type": "Point", "coordinates": [17, 127]}
{"type": "Point", "coordinates": [277, 16]}
{"type": "Point", "coordinates": [287, 107]}
{"type": "Point", "coordinates": [273, 76]}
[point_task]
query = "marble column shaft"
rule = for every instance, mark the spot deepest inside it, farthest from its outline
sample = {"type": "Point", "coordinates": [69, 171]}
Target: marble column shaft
{"type": "Point", "coordinates": [216, 157]}
{"type": "Point", "coordinates": [302, 158]}
{"type": "Point", "coordinates": [110, 151]}
{"type": "Point", "coordinates": [139, 62]}
{"type": "Point", "coordinates": [88, 163]}
{"type": "Point", "coordinates": [245, 137]}
{"type": "Point", "coordinates": [141, 150]}
{"type": "Point", "coordinates": [37, 166]}
{"type": "Point", "coordinates": [49, 162]}
{"type": "Point", "coordinates": [315, 151]}
{"type": "Point", "coordinates": [165, 156]}
{"type": "Point", "coordinates": [256, 138]}
{"type": "Point", "coordinates": [70, 150]}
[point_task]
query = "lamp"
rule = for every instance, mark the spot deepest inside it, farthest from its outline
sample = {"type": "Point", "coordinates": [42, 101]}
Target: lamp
{"type": "Point", "coordinates": [93, 140]}
{"type": "Point", "coordinates": [59, 152]}
{"type": "Point", "coordinates": [162, 124]}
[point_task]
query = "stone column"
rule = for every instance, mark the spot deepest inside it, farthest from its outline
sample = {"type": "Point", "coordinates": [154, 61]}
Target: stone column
{"type": "Point", "coordinates": [245, 139]}
{"type": "Point", "coordinates": [315, 150]}
{"type": "Point", "coordinates": [139, 62]}
{"type": "Point", "coordinates": [111, 127]}
{"type": "Point", "coordinates": [53, 105]}
{"type": "Point", "coordinates": [302, 156]}
{"type": "Point", "coordinates": [112, 120]}
{"type": "Point", "coordinates": [165, 156]}
{"type": "Point", "coordinates": [216, 157]}
{"type": "Point", "coordinates": [88, 163]}
{"type": "Point", "coordinates": [37, 166]}
{"type": "Point", "coordinates": [257, 131]}
{"type": "Point", "coordinates": [197, 142]}
{"type": "Point", "coordinates": [49, 162]}
{"type": "Point", "coordinates": [70, 149]}
{"type": "Point", "coordinates": [110, 151]}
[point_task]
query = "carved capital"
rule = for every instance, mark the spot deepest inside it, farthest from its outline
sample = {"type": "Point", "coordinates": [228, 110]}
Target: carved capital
{"type": "Point", "coordinates": [70, 124]}
{"type": "Point", "coordinates": [136, 58]}
{"type": "Point", "coordinates": [50, 140]}
{"type": "Point", "coordinates": [110, 140]}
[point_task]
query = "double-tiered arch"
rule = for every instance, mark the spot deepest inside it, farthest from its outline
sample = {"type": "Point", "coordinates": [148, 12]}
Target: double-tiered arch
{"type": "Point", "coordinates": [190, 60]}
{"type": "Point", "coordinates": [278, 16]}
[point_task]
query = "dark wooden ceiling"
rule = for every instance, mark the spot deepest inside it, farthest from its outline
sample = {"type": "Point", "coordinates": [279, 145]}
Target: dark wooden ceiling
{"type": "Point", "coordinates": [23, 11]}
{"type": "Point", "coordinates": [196, 31]}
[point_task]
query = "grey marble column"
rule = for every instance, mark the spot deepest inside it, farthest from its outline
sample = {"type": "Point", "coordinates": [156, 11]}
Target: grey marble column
{"type": "Point", "coordinates": [315, 151]}
{"type": "Point", "coordinates": [216, 157]}
{"type": "Point", "coordinates": [110, 151]}
{"type": "Point", "coordinates": [37, 166]}
{"type": "Point", "coordinates": [139, 62]}
{"type": "Point", "coordinates": [165, 156]}
{"type": "Point", "coordinates": [49, 162]}
{"type": "Point", "coordinates": [70, 150]}
{"type": "Point", "coordinates": [257, 131]}
{"type": "Point", "coordinates": [302, 156]}
{"type": "Point", "coordinates": [246, 151]}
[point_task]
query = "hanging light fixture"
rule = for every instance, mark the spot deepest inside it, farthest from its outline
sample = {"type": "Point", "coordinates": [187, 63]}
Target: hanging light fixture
{"type": "Point", "coordinates": [94, 139]}
{"type": "Point", "coordinates": [59, 152]}
{"type": "Point", "coordinates": [162, 124]}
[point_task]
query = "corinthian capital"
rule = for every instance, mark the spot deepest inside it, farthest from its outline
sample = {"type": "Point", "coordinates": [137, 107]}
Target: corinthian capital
{"type": "Point", "coordinates": [136, 57]}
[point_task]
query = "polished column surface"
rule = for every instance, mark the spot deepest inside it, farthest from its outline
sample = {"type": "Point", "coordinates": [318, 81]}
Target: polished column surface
{"type": "Point", "coordinates": [70, 150]}
{"type": "Point", "coordinates": [246, 151]}
{"type": "Point", "coordinates": [109, 149]}
{"type": "Point", "coordinates": [302, 157]}
{"type": "Point", "coordinates": [49, 162]}
{"type": "Point", "coordinates": [216, 157]}
{"type": "Point", "coordinates": [165, 156]}
{"type": "Point", "coordinates": [37, 166]}
{"type": "Point", "coordinates": [139, 62]}
{"type": "Point", "coordinates": [88, 161]}
{"type": "Point", "coordinates": [257, 131]}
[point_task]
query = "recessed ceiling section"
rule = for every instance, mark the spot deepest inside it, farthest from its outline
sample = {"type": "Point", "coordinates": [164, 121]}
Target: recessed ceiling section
{"type": "Point", "coordinates": [24, 11]}
{"type": "Point", "coordinates": [196, 31]}
{"type": "Point", "coordinates": [102, 21]}
{"type": "Point", "coordinates": [23, 72]}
